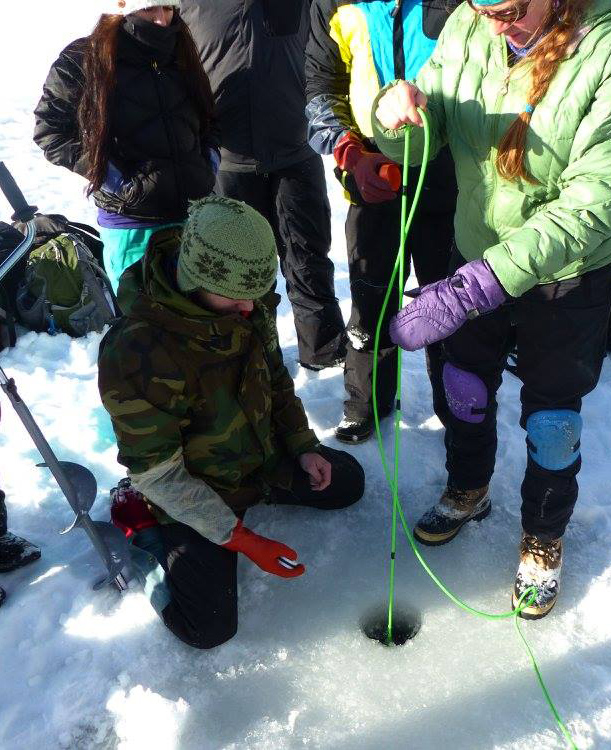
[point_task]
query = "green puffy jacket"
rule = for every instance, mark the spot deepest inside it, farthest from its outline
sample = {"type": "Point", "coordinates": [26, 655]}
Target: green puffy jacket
{"type": "Point", "coordinates": [530, 234]}
{"type": "Point", "coordinates": [203, 408]}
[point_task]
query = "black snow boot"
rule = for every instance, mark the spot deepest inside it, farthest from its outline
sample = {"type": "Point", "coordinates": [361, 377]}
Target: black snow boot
{"type": "Point", "coordinates": [2, 595]}
{"type": "Point", "coordinates": [14, 551]}
{"type": "Point", "coordinates": [443, 521]}
{"type": "Point", "coordinates": [540, 566]}
{"type": "Point", "coordinates": [338, 361]}
{"type": "Point", "coordinates": [354, 430]}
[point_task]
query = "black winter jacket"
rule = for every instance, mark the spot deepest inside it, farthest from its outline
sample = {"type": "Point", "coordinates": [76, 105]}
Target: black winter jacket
{"type": "Point", "coordinates": [254, 54]}
{"type": "Point", "coordinates": [157, 141]}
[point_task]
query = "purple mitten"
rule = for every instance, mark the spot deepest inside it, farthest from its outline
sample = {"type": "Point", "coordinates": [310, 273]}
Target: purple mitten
{"type": "Point", "coordinates": [443, 307]}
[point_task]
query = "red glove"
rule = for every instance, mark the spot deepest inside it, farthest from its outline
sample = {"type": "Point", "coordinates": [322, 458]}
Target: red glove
{"type": "Point", "coordinates": [270, 556]}
{"type": "Point", "coordinates": [128, 509]}
{"type": "Point", "coordinates": [351, 156]}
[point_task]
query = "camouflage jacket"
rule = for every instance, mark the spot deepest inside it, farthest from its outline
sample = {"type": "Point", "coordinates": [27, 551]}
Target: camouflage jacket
{"type": "Point", "coordinates": [202, 405]}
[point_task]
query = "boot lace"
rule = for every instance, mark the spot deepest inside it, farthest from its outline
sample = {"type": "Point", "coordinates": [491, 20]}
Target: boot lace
{"type": "Point", "coordinates": [464, 500]}
{"type": "Point", "coordinates": [546, 555]}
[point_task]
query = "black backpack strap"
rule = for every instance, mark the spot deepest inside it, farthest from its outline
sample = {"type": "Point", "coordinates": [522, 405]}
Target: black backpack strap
{"type": "Point", "coordinates": [90, 237]}
{"type": "Point", "coordinates": [84, 228]}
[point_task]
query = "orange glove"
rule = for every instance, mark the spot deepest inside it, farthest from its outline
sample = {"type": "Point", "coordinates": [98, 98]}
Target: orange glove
{"type": "Point", "coordinates": [376, 176]}
{"type": "Point", "coordinates": [271, 556]}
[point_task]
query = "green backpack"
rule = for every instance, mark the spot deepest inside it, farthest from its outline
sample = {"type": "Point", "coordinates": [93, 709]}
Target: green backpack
{"type": "Point", "coordinates": [65, 289]}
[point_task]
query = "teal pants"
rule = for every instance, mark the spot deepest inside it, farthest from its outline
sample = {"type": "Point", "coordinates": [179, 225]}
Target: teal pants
{"type": "Point", "coordinates": [122, 247]}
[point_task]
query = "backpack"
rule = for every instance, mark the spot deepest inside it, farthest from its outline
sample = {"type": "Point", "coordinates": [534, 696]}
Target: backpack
{"type": "Point", "coordinates": [64, 288]}
{"type": "Point", "coordinates": [49, 226]}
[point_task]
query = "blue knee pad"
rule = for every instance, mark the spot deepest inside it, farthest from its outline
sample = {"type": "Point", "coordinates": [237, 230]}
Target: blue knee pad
{"type": "Point", "coordinates": [554, 438]}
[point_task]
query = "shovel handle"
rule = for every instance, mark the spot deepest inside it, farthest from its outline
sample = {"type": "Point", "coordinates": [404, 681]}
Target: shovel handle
{"type": "Point", "coordinates": [23, 211]}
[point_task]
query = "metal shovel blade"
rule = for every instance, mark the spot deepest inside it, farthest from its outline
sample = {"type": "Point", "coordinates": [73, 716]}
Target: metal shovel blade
{"type": "Point", "coordinates": [85, 488]}
{"type": "Point", "coordinates": [118, 547]}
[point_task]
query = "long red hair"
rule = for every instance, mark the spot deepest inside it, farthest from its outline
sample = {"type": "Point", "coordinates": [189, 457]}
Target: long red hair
{"type": "Point", "coordinates": [545, 59]}
{"type": "Point", "coordinates": [100, 80]}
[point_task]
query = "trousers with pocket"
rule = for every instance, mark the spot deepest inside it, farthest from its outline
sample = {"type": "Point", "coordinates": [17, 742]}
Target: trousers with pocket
{"type": "Point", "coordinates": [560, 331]}
{"type": "Point", "coordinates": [372, 239]}
{"type": "Point", "coordinates": [294, 201]}
{"type": "Point", "coordinates": [201, 577]}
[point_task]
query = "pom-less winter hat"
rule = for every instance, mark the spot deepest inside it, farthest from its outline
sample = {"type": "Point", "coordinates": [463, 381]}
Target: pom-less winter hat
{"type": "Point", "coordinates": [227, 248]}
{"type": "Point", "coordinates": [130, 6]}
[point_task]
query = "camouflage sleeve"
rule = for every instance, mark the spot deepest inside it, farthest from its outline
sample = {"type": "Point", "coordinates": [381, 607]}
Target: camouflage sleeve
{"type": "Point", "coordinates": [148, 412]}
{"type": "Point", "coordinates": [288, 415]}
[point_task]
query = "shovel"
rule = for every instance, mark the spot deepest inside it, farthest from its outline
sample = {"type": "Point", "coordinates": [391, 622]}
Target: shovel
{"type": "Point", "coordinates": [76, 482]}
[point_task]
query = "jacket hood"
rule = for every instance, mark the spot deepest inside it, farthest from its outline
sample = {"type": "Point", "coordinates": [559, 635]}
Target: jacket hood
{"type": "Point", "coordinates": [149, 39]}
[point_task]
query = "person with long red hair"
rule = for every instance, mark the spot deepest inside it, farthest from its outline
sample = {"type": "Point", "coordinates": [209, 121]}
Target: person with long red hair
{"type": "Point", "coordinates": [521, 92]}
{"type": "Point", "coordinates": [130, 109]}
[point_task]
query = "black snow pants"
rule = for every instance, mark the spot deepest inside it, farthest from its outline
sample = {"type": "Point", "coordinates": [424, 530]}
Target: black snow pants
{"type": "Point", "coordinates": [561, 334]}
{"type": "Point", "coordinates": [294, 201]}
{"type": "Point", "coordinates": [202, 577]}
{"type": "Point", "coordinates": [372, 240]}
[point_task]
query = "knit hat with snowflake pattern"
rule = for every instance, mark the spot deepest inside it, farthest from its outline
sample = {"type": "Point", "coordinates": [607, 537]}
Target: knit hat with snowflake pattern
{"type": "Point", "coordinates": [227, 248]}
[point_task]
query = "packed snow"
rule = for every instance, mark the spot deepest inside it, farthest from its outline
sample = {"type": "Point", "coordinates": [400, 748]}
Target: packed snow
{"type": "Point", "coordinates": [85, 669]}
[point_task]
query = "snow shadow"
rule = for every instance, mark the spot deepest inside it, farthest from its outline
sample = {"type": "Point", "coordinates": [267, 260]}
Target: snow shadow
{"type": "Point", "coordinates": [498, 713]}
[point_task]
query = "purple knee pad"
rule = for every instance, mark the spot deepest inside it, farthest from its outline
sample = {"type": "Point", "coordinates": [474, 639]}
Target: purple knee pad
{"type": "Point", "coordinates": [466, 393]}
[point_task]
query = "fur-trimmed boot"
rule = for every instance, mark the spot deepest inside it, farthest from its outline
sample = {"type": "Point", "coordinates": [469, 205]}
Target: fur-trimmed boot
{"type": "Point", "coordinates": [455, 508]}
{"type": "Point", "coordinates": [540, 565]}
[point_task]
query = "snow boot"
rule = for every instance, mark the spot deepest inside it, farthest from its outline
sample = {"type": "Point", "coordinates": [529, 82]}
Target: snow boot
{"type": "Point", "coordinates": [540, 565]}
{"type": "Point", "coordinates": [354, 430]}
{"type": "Point", "coordinates": [16, 552]}
{"type": "Point", "coordinates": [443, 521]}
{"type": "Point", "coordinates": [337, 362]}
{"type": "Point", "coordinates": [2, 595]}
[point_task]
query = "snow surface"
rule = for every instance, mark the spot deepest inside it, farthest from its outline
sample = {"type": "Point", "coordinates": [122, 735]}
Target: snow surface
{"type": "Point", "coordinates": [82, 669]}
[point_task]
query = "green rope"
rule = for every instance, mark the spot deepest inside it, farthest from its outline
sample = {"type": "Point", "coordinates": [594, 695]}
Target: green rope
{"type": "Point", "coordinates": [398, 274]}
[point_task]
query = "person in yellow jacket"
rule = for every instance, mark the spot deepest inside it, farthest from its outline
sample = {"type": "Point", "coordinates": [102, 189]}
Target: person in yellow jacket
{"type": "Point", "coordinates": [354, 49]}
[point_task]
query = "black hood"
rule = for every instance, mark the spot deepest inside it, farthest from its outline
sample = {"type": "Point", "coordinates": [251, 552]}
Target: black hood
{"type": "Point", "coordinates": [158, 41]}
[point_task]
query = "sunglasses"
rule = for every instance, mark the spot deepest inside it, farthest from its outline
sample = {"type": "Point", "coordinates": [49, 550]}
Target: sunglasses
{"type": "Point", "coordinates": [509, 15]}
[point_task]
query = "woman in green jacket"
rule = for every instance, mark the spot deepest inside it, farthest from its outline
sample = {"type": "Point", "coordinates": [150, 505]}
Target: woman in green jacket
{"type": "Point", "coordinates": [521, 92]}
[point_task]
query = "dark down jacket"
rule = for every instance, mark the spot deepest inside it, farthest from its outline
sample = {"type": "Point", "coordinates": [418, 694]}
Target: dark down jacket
{"type": "Point", "coordinates": [254, 54]}
{"type": "Point", "coordinates": [157, 140]}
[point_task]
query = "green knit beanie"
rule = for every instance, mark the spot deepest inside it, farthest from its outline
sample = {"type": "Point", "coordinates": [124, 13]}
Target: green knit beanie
{"type": "Point", "coordinates": [227, 248]}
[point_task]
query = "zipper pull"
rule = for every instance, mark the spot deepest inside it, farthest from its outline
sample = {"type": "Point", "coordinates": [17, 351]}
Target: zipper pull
{"type": "Point", "coordinates": [395, 10]}
{"type": "Point", "coordinates": [155, 67]}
